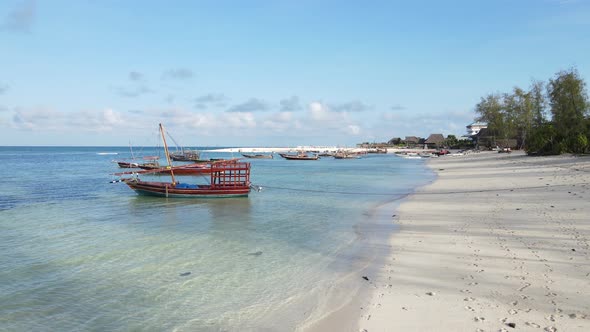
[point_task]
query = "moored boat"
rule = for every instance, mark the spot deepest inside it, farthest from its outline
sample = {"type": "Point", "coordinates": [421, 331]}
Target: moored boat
{"type": "Point", "coordinates": [186, 155]}
{"type": "Point", "coordinates": [257, 156]}
{"type": "Point", "coordinates": [300, 156]}
{"type": "Point", "coordinates": [125, 164]}
{"type": "Point", "coordinates": [190, 169]}
{"type": "Point", "coordinates": [344, 155]}
{"type": "Point", "coordinates": [228, 178]}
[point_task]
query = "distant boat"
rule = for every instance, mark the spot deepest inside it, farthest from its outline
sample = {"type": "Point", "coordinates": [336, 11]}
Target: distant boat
{"type": "Point", "coordinates": [343, 154]}
{"type": "Point", "coordinates": [190, 169]}
{"type": "Point", "coordinates": [299, 156]}
{"type": "Point", "coordinates": [227, 179]}
{"type": "Point", "coordinates": [148, 161]}
{"type": "Point", "coordinates": [411, 155]}
{"type": "Point", "coordinates": [125, 164]}
{"type": "Point", "coordinates": [377, 150]}
{"type": "Point", "coordinates": [151, 162]}
{"type": "Point", "coordinates": [257, 156]}
{"type": "Point", "coordinates": [186, 155]}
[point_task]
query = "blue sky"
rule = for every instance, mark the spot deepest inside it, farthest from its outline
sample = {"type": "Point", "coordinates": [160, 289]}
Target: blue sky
{"type": "Point", "coordinates": [271, 73]}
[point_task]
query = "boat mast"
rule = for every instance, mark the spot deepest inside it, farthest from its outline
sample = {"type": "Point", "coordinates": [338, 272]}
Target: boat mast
{"type": "Point", "coordinates": [131, 148]}
{"type": "Point", "coordinates": [167, 154]}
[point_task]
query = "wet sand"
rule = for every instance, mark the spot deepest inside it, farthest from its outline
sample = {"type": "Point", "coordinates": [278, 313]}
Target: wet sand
{"type": "Point", "coordinates": [499, 242]}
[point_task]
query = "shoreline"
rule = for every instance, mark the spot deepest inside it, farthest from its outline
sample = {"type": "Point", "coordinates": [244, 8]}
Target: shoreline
{"type": "Point", "coordinates": [496, 241]}
{"type": "Point", "coordinates": [347, 295]}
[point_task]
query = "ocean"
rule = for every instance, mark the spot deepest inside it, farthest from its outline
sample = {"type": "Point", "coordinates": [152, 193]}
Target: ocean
{"type": "Point", "coordinates": [82, 254]}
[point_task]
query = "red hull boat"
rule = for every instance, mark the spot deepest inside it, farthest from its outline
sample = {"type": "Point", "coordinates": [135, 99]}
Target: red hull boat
{"type": "Point", "coordinates": [228, 178]}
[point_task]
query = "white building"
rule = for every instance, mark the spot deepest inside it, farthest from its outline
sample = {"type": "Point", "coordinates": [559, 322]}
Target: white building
{"type": "Point", "coordinates": [475, 127]}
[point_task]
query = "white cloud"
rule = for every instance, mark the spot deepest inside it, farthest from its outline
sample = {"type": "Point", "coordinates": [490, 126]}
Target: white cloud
{"type": "Point", "coordinates": [135, 76]}
{"type": "Point", "coordinates": [211, 99]}
{"type": "Point", "coordinates": [252, 105]}
{"type": "Point", "coordinates": [178, 74]}
{"type": "Point", "coordinates": [42, 119]}
{"type": "Point", "coordinates": [354, 130]}
{"type": "Point", "coordinates": [280, 121]}
{"type": "Point", "coordinates": [290, 104]}
{"type": "Point", "coordinates": [21, 18]}
{"type": "Point", "coordinates": [351, 106]}
{"type": "Point", "coordinates": [319, 112]}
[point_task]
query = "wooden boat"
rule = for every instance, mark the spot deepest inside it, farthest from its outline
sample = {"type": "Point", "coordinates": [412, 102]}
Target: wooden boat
{"type": "Point", "coordinates": [186, 155]}
{"type": "Point", "coordinates": [257, 156]}
{"type": "Point", "coordinates": [151, 162]}
{"type": "Point", "coordinates": [346, 156]}
{"type": "Point", "coordinates": [125, 164]}
{"type": "Point", "coordinates": [299, 156]}
{"type": "Point", "coordinates": [191, 169]}
{"type": "Point", "coordinates": [227, 179]}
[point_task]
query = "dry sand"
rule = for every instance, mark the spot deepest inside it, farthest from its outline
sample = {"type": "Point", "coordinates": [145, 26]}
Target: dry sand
{"type": "Point", "coordinates": [499, 242]}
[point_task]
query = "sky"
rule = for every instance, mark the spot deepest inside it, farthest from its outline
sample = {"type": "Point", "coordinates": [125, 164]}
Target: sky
{"type": "Point", "coordinates": [271, 73]}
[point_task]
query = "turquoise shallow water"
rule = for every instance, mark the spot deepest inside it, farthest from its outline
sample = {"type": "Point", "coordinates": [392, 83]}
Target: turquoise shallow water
{"type": "Point", "coordinates": [80, 253]}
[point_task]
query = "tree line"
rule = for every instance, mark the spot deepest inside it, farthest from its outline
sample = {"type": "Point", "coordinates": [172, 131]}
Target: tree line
{"type": "Point", "coordinates": [548, 118]}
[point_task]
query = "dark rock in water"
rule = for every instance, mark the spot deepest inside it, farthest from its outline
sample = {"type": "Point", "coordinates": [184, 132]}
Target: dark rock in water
{"type": "Point", "coordinates": [517, 209]}
{"type": "Point", "coordinates": [393, 215]}
{"type": "Point", "coordinates": [184, 274]}
{"type": "Point", "coordinates": [512, 325]}
{"type": "Point", "coordinates": [258, 253]}
{"type": "Point", "coordinates": [366, 278]}
{"type": "Point", "coordinates": [573, 249]}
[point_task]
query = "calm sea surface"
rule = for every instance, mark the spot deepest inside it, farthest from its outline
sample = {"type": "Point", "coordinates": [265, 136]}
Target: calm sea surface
{"type": "Point", "coordinates": [80, 253]}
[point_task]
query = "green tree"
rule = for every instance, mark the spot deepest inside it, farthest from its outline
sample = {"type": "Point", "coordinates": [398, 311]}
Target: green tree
{"type": "Point", "coordinates": [539, 103]}
{"type": "Point", "coordinates": [490, 110]}
{"type": "Point", "coordinates": [525, 110]}
{"type": "Point", "coordinates": [451, 141]}
{"type": "Point", "coordinates": [568, 101]}
{"type": "Point", "coordinates": [518, 112]}
{"type": "Point", "coordinates": [543, 140]}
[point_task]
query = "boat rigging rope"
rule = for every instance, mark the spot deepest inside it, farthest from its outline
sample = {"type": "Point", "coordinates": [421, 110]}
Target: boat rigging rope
{"type": "Point", "coordinates": [417, 192]}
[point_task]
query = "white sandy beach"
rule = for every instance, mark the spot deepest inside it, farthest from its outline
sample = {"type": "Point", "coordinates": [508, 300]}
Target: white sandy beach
{"type": "Point", "coordinates": [499, 242]}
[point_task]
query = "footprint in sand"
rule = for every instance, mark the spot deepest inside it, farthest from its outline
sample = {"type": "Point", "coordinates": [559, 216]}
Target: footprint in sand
{"type": "Point", "coordinates": [470, 308]}
{"type": "Point", "coordinates": [512, 312]}
{"type": "Point", "coordinates": [551, 318]}
{"type": "Point", "coordinates": [469, 299]}
{"type": "Point", "coordinates": [524, 287]}
{"type": "Point", "coordinates": [479, 319]}
{"type": "Point", "coordinates": [550, 329]}
{"type": "Point", "coordinates": [532, 324]}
